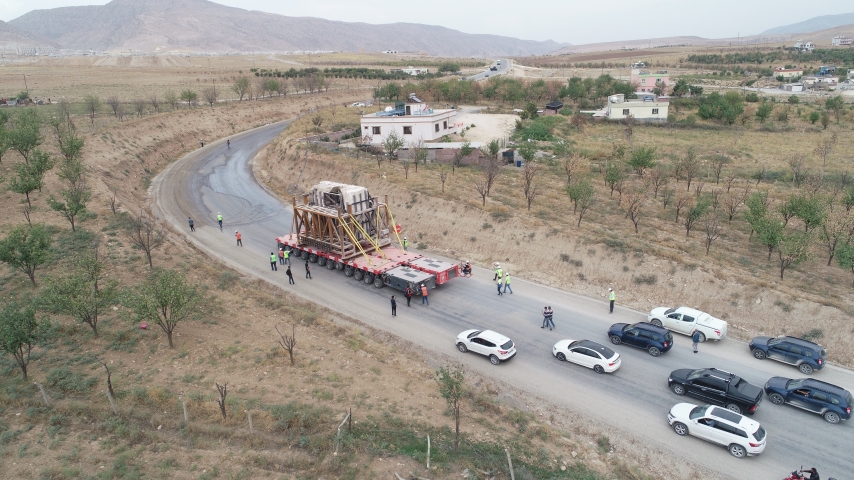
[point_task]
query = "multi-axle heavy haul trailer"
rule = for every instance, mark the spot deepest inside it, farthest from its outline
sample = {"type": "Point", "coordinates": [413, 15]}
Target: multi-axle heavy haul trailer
{"type": "Point", "coordinates": [343, 227]}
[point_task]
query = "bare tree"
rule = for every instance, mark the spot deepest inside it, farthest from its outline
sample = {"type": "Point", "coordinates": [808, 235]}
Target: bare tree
{"type": "Point", "coordinates": [732, 203]}
{"type": "Point", "coordinates": [120, 112]}
{"type": "Point", "coordinates": [283, 87]}
{"type": "Point", "coordinates": [443, 177]}
{"type": "Point", "coordinates": [288, 342]}
{"type": "Point", "coordinates": [114, 102]}
{"type": "Point", "coordinates": [667, 196]}
{"type": "Point", "coordinates": [113, 202]}
{"type": "Point", "coordinates": [223, 392]}
{"type": "Point", "coordinates": [144, 233]}
{"type": "Point", "coordinates": [92, 104]}
{"type": "Point", "coordinates": [531, 190]}
{"type": "Point", "coordinates": [571, 166]}
{"type": "Point", "coordinates": [480, 187]}
{"type": "Point", "coordinates": [632, 203]}
{"type": "Point", "coordinates": [109, 378]}
{"type": "Point", "coordinates": [718, 166]}
{"type": "Point", "coordinates": [155, 102]}
{"type": "Point", "coordinates": [824, 147]}
{"type": "Point", "coordinates": [716, 196]}
{"type": "Point", "coordinates": [689, 166]}
{"type": "Point", "coordinates": [628, 130]}
{"type": "Point", "coordinates": [657, 177]}
{"type": "Point", "coordinates": [139, 105]}
{"type": "Point", "coordinates": [682, 201]}
{"type": "Point", "coordinates": [406, 164]}
{"type": "Point", "coordinates": [711, 227]}
{"type": "Point", "coordinates": [797, 164]}
{"type": "Point", "coordinates": [210, 95]}
{"type": "Point", "coordinates": [730, 180]}
{"type": "Point", "coordinates": [699, 188]}
{"type": "Point", "coordinates": [418, 151]}
{"type": "Point", "coordinates": [27, 210]}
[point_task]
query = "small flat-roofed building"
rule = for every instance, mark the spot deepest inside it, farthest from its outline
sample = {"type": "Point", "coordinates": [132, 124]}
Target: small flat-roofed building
{"type": "Point", "coordinates": [788, 72]}
{"type": "Point", "coordinates": [646, 108]}
{"type": "Point", "coordinates": [411, 122]}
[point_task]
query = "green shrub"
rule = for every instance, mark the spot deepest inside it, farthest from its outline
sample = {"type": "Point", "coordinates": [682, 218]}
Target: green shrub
{"type": "Point", "coordinates": [69, 382]}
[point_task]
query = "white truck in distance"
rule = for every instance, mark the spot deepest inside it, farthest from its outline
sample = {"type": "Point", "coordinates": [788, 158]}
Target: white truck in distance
{"type": "Point", "coordinates": [684, 320]}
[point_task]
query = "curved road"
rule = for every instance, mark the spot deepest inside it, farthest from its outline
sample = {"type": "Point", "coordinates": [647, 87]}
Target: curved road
{"type": "Point", "coordinates": [634, 400]}
{"type": "Point", "coordinates": [502, 69]}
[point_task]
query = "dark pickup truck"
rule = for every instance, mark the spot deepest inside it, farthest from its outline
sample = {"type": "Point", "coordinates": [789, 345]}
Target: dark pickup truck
{"type": "Point", "coordinates": [717, 387]}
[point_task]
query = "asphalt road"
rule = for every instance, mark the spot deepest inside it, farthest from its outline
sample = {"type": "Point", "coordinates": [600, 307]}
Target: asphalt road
{"type": "Point", "coordinates": [502, 69]}
{"type": "Point", "coordinates": [634, 400]}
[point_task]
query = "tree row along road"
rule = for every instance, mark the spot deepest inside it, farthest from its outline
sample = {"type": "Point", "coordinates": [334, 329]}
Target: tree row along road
{"type": "Point", "coordinates": [634, 400]}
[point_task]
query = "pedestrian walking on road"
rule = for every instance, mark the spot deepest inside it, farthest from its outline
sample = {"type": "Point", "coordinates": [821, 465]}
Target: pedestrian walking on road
{"type": "Point", "coordinates": [287, 253]}
{"type": "Point", "coordinates": [612, 297]}
{"type": "Point", "coordinates": [192, 224]}
{"type": "Point", "coordinates": [424, 294]}
{"type": "Point", "coordinates": [507, 283]}
{"type": "Point", "coordinates": [290, 276]}
{"type": "Point", "coordinates": [393, 306]}
{"type": "Point", "coordinates": [548, 315]}
{"type": "Point", "coordinates": [273, 262]}
{"type": "Point", "coordinates": [498, 272]}
{"type": "Point", "coordinates": [219, 219]}
{"type": "Point", "coordinates": [239, 238]}
{"type": "Point", "coordinates": [202, 142]}
{"type": "Point", "coordinates": [405, 244]}
{"type": "Point", "coordinates": [695, 339]}
{"type": "Point", "coordinates": [307, 270]}
{"type": "Point", "coordinates": [408, 294]}
{"type": "Point", "coordinates": [281, 256]}
{"type": "Point", "coordinates": [499, 282]}
{"type": "Point", "coordinates": [228, 143]}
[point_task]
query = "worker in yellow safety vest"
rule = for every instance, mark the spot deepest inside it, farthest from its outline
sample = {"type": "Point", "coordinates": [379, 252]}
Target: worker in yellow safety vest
{"type": "Point", "coordinates": [499, 273]}
{"type": "Point", "coordinates": [405, 244]}
{"type": "Point", "coordinates": [612, 297]}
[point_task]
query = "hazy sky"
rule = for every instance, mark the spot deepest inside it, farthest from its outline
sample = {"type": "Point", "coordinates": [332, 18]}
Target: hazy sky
{"type": "Point", "coordinates": [573, 21]}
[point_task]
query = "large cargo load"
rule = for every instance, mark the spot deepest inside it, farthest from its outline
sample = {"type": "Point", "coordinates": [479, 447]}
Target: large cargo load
{"type": "Point", "coordinates": [343, 227]}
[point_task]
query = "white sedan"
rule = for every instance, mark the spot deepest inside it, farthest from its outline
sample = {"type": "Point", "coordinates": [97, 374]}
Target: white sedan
{"type": "Point", "coordinates": [486, 342]}
{"type": "Point", "coordinates": [685, 320]}
{"type": "Point", "coordinates": [358, 104]}
{"type": "Point", "coordinates": [588, 354]}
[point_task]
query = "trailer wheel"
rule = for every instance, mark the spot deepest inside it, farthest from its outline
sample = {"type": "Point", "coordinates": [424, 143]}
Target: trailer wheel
{"type": "Point", "coordinates": [330, 264]}
{"type": "Point", "coordinates": [369, 278]}
{"type": "Point", "coordinates": [312, 258]}
{"type": "Point", "coordinates": [295, 252]}
{"type": "Point", "coordinates": [305, 254]}
{"type": "Point", "coordinates": [321, 261]}
{"type": "Point", "coordinates": [339, 266]}
{"type": "Point", "coordinates": [378, 282]}
{"type": "Point", "coordinates": [358, 275]}
{"type": "Point", "coordinates": [348, 272]}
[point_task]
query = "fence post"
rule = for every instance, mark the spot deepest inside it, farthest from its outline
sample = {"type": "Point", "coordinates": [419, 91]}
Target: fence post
{"type": "Point", "coordinates": [428, 452]}
{"type": "Point", "coordinates": [112, 403]}
{"type": "Point", "coordinates": [510, 462]}
{"type": "Point", "coordinates": [338, 435]}
{"type": "Point", "coordinates": [184, 404]}
{"type": "Point", "coordinates": [44, 394]}
{"type": "Point", "coordinates": [249, 415]}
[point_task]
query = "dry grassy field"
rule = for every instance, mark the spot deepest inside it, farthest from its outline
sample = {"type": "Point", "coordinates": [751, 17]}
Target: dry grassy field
{"type": "Point", "coordinates": [658, 265]}
{"type": "Point", "coordinates": [295, 408]}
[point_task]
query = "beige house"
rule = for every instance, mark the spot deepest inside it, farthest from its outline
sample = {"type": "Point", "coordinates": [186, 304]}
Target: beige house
{"type": "Point", "coordinates": [788, 72]}
{"type": "Point", "coordinates": [646, 108]}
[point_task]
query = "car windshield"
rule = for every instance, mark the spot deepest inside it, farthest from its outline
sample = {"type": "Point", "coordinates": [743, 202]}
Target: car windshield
{"type": "Point", "coordinates": [573, 344]}
{"type": "Point", "coordinates": [697, 412]}
{"type": "Point", "coordinates": [775, 341]}
{"type": "Point", "coordinates": [696, 373]}
{"type": "Point", "coordinates": [759, 434]}
{"type": "Point", "coordinates": [473, 334]}
{"type": "Point", "coordinates": [508, 345]}
{"type": "Point", "coordinates": [669, 311]}
{"type": "Point", "coordinates": [791, 384]}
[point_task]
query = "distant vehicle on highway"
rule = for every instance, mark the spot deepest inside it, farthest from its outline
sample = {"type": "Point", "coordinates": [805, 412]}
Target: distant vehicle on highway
{"type": "Point", "coordinates": [358, 104]}
{"type": "Point", "coordinates": [655, 340]}
{"type": "Point", "coordinates": [805, 355]}
{"type": "Point", "coordinates": [717, 387]}
{"type": "Point", "coordinates": [826, 399]}
{"type": "Point", "coordinates": [588, 354]}
{"type": "Point", "coordinates": [493, 68]}
{"type": "Point", "coordinates": [486, 342]}
{"type": "Point", "coordinates": [498, 62]}
{"type": "Point", "coordinates": [684, 320]}
{"type": "Point", "coordinates": [742, 436]}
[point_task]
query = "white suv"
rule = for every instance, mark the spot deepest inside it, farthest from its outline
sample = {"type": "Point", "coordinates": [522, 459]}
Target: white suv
{"type": "Point", "coordinates": [741, 435]}
{"type": "Point", "coordinates": [685, 320]}
{"type": "Point", "coordinates": [486, 342]}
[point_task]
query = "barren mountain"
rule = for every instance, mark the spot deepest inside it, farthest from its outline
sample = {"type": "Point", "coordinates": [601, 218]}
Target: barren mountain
{"type": "Point", "coordinates": [15, 37]}
{"type": "Point", "coordinates": [201, 25]}
{"type": "Point", "coordinates": [824, 22]}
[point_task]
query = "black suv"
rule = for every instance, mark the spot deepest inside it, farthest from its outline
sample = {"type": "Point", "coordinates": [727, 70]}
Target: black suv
{"type": "Point", "coordinates": [718, 387]}
{"type": "Point", "coordinates": [805, 355]}
{"type": "Point", "coordinates": [655, 340]}
{"type": "Point", "coordinates": [831, 402]}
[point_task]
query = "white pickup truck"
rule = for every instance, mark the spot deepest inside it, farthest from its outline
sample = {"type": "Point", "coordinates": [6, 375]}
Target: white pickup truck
{"type": "Point", "coordinates": [684, 320]}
